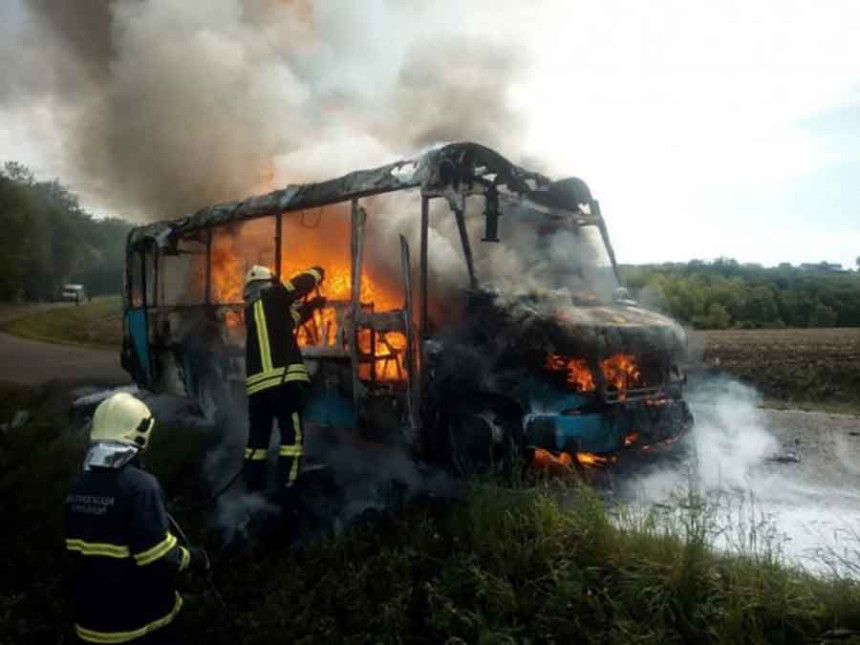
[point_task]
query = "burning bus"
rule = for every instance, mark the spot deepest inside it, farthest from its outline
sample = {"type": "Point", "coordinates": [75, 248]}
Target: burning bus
{"type": "Point", "coordinates": [508, 331]}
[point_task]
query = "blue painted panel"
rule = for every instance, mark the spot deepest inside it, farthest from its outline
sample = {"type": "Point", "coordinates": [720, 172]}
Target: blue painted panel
{"type": "Point", "coordinates": [607, 431]}
{"type": "Point", "coordinates": [325, 406]}
{"type": "Point", "coordinates": [135, 320]}
{"type": "Point", "coordinates": [543, 397]}
{"type": "Point", "coordinates": [590, 432]}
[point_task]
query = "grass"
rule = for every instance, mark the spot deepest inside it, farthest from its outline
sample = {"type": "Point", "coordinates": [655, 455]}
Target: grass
{"type": "Point", "coordinates": [851, 408]}
{"type": "Point", "coordinates": [96, 324]}
{"type": "Point", "coordinates": [541, 563]}
{"type": "Point", "coordinates": [37, 463]}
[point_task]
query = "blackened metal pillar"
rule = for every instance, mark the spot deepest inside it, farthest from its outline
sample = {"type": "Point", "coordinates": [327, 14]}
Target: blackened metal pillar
{"type": "Point", "coordinates": [278, 241]}
{"type": "Point", "coordinates": [425, 226]}
{"type": "Point", "coordinates": [207, 298]}
{"type": "Point", "coordinates": [356, 253]}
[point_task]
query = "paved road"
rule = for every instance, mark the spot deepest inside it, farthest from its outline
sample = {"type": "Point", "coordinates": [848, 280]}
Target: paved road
{"type": "Point", "coordinates": [31, 362]}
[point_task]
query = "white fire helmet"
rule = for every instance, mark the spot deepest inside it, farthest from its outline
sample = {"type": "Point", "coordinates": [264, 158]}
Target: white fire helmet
{"type": "Point", "coordinates": [258, 272]}
{"type": "Point", "coordinates": [124, 419]}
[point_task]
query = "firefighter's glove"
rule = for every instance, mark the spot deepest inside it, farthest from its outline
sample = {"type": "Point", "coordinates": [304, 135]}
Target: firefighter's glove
{"type": "Point", "coordinates": [317, 303]}
{"type": "Point", "coordinates": [199, 560]}
{"type": "Point", "coordinates": [319, 270]}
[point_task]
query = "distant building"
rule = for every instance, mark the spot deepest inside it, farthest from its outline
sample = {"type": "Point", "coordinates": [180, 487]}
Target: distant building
{"type": "Point", "coordinates": [826, 267]}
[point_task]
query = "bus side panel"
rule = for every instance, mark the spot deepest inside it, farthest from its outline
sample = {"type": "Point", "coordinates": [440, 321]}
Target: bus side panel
{"type": "Point", "coordinates": [135, 320]}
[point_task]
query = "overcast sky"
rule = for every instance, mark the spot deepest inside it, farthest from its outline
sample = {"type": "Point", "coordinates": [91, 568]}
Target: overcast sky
{"type": "Point", "coordinates": [704, 128]}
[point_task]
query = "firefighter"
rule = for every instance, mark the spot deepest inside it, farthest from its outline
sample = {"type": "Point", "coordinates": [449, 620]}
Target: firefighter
{"type": "Point", "coordinates": [124, 558]}
{"type": "Point", "coordinates": [276, 373]}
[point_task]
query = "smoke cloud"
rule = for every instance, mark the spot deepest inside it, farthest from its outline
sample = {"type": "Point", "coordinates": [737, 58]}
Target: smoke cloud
{"type": "Point", "coordinates": [727, 445]}
{"type": "Point", "coordinates": [163, 108]}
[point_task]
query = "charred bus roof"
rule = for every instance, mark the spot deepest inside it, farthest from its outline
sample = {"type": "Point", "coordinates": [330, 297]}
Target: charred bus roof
{"type": "Point", "coordinates": [451, 171]}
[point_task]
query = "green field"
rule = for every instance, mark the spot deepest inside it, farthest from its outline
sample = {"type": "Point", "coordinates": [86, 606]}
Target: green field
{"type": "Point", "coordinates": [97, 324]}
{"type": "Point", "coordinates": [535, 563]}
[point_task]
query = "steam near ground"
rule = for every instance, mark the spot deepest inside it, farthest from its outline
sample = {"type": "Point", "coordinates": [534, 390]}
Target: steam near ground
{"type": "Point", "coordinates": [344, 477]}
{"type": "Point", "coordinates": [343, 480]}
{"type": "Point", "coordinates": [772, 480]}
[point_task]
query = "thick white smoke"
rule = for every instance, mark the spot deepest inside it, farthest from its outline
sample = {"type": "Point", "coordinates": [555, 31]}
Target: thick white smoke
{"type": "Point", "coordinates": [167, 107]}
{"type": "Point", "coordinates": [729, 440]}
{"type": "Point", "coordinates": [766, 495]}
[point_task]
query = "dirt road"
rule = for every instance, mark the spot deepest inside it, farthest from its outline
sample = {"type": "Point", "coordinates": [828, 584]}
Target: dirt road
{"type": "Point", "coordinates": [30, 362]}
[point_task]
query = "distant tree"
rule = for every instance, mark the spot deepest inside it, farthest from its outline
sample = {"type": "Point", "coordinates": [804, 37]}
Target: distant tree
{"type": "Point", "coordinates": [716, 318]}
{"type": "Point", "coordinates": [16, 241]}
{"type": "Point", "coordinates": [726, 266]}
{"type": "Point", "coordinates": [823, 316]}
{"type": "Point", "coordinates": [761, 308]}
{"type": "Point", "coordinates": [702, 294]}
{"type": "Point", "coordinates": [787, 303]}
{"type": "Point", "coordinates": [685, 297]}
{"type": "Point", "coordinates": [731, 294]}
{"type": "Point", "coordinates": [48, 238]}
{"type": "Point", "coordinates": [18, 173]}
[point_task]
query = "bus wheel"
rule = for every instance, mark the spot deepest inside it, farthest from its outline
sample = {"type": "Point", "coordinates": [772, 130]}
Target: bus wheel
{"type": "Point", "coordinates": [483, 441]}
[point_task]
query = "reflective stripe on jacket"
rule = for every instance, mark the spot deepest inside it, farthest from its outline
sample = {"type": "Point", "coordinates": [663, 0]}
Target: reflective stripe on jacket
{"type": "Point", "coordinates": [125, 560]}
{"type": "Point", "coordinates": [272, 355]}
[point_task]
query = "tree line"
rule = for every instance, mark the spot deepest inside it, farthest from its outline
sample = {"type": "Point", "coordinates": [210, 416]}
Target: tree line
{"type": "Point", "coordinates": [724, 293]}
{"type": "Point", "coordinates": [49, 240]}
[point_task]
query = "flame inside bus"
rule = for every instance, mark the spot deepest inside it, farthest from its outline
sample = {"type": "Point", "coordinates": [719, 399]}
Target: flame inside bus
{"type": "Point", "coordinates": [307, 242]}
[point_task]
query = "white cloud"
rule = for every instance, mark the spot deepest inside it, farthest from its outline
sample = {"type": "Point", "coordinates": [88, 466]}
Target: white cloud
{"type": "Point", "coordinates": [662, 105]}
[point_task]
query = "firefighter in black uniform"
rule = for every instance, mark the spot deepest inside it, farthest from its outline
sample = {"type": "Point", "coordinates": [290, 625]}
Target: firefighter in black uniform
{"type": "Point", "coordinates": [125, 559]}
{"type": "Point", "coordinates": [276, 373]}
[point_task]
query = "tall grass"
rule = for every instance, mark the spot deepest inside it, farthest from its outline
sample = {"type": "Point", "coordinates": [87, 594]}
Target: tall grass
{"type": "Point", "coordinates": [538, 563]}
{"type": "Point", "coordinates": [97, 324]}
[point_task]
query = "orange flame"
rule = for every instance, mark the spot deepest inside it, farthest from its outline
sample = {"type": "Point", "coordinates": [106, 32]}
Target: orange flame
{"type": "Point", "coordinates": [554, 465]}
{"type": "Point", "coordinates": [620, 372]}
{"type": "Point", "coordinates": [578, 373]}
{"type": "Point", "coordinates": [321, 237]}
{"type": "Point", "coordinates": [389, 357]}
{"type": "Point", "coordinates": [589, 459]}
{"type": "Point", "coordinates": [318, 237]}
{"type": "Point", "coordinates": [227, 274]}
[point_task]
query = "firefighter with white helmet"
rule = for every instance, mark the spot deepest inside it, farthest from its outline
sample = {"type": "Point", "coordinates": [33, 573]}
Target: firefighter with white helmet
{"type": "Point", "coordinates": [275, 371]}
{"type": "Point", "coordinates": [125, 559]}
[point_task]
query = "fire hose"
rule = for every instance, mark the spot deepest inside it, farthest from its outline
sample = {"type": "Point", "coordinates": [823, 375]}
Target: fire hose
{"type": "Point", "coordinates": [208, 581]}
